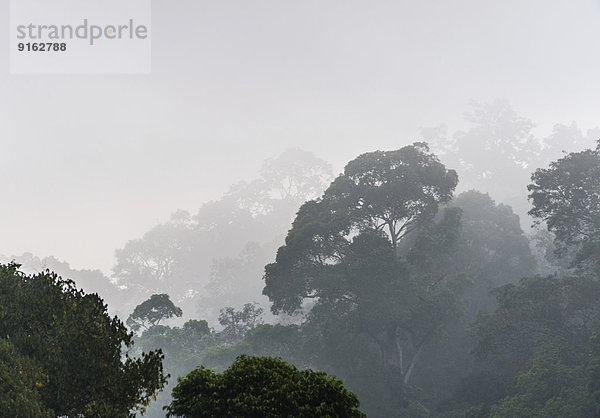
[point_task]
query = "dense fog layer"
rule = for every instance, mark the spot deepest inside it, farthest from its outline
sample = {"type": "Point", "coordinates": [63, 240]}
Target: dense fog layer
{"type": "Point", "coordinates": [94, 161]}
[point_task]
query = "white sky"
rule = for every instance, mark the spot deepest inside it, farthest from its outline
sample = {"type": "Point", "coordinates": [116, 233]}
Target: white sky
{"type": "Point", "coordinates": [89, 162]}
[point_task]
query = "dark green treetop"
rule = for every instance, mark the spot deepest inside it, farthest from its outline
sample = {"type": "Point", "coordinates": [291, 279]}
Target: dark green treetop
{"type": "Point", "coordinates": [262, 387]}
{"type": "Point", "coordinates": [566, 196]}
{"type": "Point", "coordinates": [150, 312]}
{"type": "Point", "coordinates": [78, 346]}
{"type": "Point", "coordinates": [387, 191]}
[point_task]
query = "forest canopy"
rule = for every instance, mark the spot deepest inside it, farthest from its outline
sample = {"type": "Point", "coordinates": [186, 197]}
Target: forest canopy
{"type": "Point", "coordinates": [71, 350]}
{"type": "Point", "coordinates": [420, 300]}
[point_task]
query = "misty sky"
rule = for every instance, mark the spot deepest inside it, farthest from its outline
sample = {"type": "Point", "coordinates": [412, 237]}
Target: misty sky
{"type": "Point", "coordinates": [89, 162]}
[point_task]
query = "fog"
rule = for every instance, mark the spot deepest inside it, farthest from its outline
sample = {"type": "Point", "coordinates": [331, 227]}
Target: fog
{"type": "Point", "coordinates": [188, 180]}
{"type": "Point", "coordinates": [90, 162]}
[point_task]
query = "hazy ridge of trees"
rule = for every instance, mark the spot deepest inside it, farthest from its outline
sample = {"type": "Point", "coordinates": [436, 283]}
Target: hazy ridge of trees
{"type": "Point", "coordinates": [499, 151]}
{"type": "Point", "coordinates": [412, 282]}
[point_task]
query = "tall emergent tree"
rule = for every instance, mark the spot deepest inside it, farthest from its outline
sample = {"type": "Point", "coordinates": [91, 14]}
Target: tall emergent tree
{"type": "Point", "coordinates": [150, 312]}
{"type": "Point", "coordinates": [349, 252]}
{"type": "Point", "coordinates": [77, 345]}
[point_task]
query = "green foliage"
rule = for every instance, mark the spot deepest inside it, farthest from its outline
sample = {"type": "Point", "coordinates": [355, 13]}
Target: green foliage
{"type": "Point", "coordinates": [566, 196]}
{"type": "Point", "coordinates": [537, 307]}
{"type": "Point", "coordinates": [20, 381]}
{"type": "Point", "coordinates": [183, 349]}
{"type": "Point", "coordinates": [393, 191]}
{"type": "Point", "coordinates": [264, 340]}
{"type": "Point", "coordinates": [338, 253]}
{"type": "Point", "coordinates": [554, 385]}
{"type": "Point", "coordinates": [237, 323]}
{"type": "Point", "coordinates": [276, 340]}
{"type": "Point", "coordinates": [183, 343]}
{"type": "Point", "coordinates": [543, 336]}
{"type": "Point", "coordinates": [90, 281]}
{"type": "Point", "coordinates": [491, 251]}
{"type": "Point", "coordinates": [77, 345]}
{"type": "Point", "coordinates": [475, 395]}
{"type": "Point", "coordinates": [372, 258]}
{"type": "Point", "coordinates": [262, 387]}
{"type": "Point", "coordinates": [195, 335]}
{"type": "Point", "coordinates": [150, 312]}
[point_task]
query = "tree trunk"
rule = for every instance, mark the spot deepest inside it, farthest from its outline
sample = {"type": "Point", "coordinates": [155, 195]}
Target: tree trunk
{"type": "Point", "coordinates": [391, 348]}
{"type": "Point", "coordinates": [411, 366]}
{"type": "Point", "coordinates": [416, 353]}
{"type": "Point", "coordinates": [393, 237]}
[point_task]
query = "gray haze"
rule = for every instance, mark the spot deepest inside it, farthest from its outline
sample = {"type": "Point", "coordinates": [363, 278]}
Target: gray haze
{"type": "Point", "coordinates": [90, 162]}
